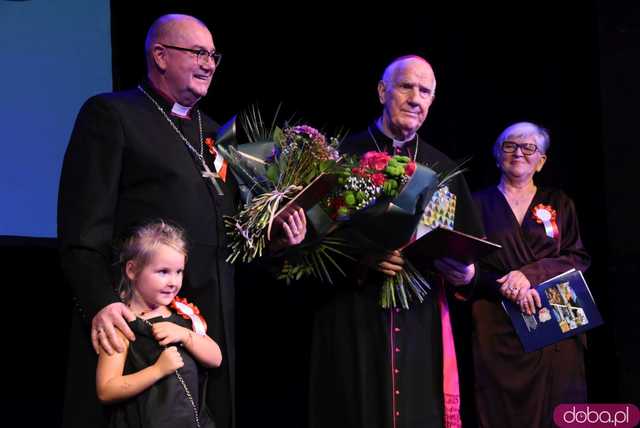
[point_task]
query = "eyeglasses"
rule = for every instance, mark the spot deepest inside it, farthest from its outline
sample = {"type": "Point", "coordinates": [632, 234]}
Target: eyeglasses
{"type": "Point", "coordinates": [202, 55]}
{"type": "Point", "coordinates": [527, 149]}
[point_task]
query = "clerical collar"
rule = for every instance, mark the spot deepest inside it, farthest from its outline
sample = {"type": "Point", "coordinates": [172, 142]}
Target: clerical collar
{"type": "Point", "coordinates": [176, 109]}
{"type": "Point", "coordinates": [408, 147]}
{"type": "Point", "coordinates": [180, 111]}
{"type": "Point", "coordinates": [398, 144]}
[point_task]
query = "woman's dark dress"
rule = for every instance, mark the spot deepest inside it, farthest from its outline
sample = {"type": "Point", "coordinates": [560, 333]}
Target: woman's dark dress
{"type": "Point", "coordinates": [514, 388]}
{"type": "Point", "coordinates": [165, 403]}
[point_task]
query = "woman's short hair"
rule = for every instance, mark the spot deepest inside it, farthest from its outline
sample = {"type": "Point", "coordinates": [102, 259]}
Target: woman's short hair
{"type": "Point", "coordinates": [520, 130]}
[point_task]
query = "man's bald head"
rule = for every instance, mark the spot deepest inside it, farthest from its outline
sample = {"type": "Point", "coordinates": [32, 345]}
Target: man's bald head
{"type": "Point", "coordinates": [168, 29]}
{"type": "Point", "coordinates": [400, 62]}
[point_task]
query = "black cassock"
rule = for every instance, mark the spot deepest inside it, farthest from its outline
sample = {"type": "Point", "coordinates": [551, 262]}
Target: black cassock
{"type": "Point", "coordinates": [125, 164]}
{"type": "Point", "coordinates": [514, 388]}
{"type": "Point", "coordinates": [377, 368]}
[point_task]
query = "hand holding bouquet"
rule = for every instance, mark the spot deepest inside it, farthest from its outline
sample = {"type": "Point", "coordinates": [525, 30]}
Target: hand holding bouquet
{"type": "Point", "coordinates": [298, 155]}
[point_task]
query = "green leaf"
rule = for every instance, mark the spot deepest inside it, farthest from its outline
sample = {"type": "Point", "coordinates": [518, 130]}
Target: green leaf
{"type": "Point", "coordinates": [278, 135]}
{"type": "Point", "coordinates": [273, 173]}
{"type": "Point", "coordinates": [327, 166]}
{"type": "Point", "coordinates": [349, 199]}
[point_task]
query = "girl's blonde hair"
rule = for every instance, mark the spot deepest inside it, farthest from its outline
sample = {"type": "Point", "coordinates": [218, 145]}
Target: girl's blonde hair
{"type": "Point", "coordinates": [140, 246]}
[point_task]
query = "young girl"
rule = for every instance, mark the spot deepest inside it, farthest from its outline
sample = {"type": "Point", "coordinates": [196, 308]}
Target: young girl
{"type": "Point", "coordinates": [157, 382]}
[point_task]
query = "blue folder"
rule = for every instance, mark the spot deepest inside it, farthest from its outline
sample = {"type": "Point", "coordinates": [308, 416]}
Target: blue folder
{"type": "Point", "coordinates": [567, 309]}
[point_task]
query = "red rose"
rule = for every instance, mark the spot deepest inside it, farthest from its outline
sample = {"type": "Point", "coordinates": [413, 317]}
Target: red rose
{"type": "Point", "coordinates": [337, 202]}
{"type": "Point", "coordinates": [375, 160]}
{"type": "Point", "coordinates": [410, 168]}
{"type": "Point", "coordinates": [334, 206]}
{"type": "Point", "coordinates": [359, 171]}
{"type": "Point", "coordinates": [378, 179]}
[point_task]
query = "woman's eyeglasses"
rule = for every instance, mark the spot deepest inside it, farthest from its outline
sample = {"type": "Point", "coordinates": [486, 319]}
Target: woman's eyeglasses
{"type": "Point", "coordinates": [527, 149]}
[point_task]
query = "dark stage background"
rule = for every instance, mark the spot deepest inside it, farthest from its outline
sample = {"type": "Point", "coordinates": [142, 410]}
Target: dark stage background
{"type": "Point", "coordinates": [572, 68]}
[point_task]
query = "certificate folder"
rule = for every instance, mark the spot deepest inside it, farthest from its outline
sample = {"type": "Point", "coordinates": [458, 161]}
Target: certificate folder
{"type": "Point", "coordinates": [567, 309]}
{"type": "Point", "coordinates": [441, 242]}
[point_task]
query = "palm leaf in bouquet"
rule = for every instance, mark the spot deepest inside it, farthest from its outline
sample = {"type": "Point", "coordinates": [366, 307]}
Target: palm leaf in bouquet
{"type": "Point", "coordinates": [317, 259]}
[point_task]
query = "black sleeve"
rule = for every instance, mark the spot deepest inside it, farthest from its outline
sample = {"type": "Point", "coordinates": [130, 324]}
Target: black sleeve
{"type": "Point", "coordinates": [87, 203]}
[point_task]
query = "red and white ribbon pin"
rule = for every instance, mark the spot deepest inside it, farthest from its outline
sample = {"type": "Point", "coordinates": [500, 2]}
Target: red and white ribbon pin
{"type": "Point", "coordinates": [546, 215]}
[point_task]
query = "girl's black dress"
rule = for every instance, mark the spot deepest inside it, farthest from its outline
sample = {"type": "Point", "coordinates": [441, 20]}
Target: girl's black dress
{"type": "Point", "coordinates": [165, 404]}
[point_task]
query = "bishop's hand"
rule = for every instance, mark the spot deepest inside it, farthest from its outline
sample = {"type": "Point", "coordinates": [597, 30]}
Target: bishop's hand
{"type": "Point", "coordinates": [293, 230]}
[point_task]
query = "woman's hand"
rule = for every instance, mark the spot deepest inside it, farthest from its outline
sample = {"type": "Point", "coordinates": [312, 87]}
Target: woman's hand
{"type": "Point", "coordinates": [529, 301]}
{"type": "Point", "coordinates": [104, 325]}
{"type": "Point", "coordinates": [514, 285]}
{"type": "Point", "coordinates": [167, 332]}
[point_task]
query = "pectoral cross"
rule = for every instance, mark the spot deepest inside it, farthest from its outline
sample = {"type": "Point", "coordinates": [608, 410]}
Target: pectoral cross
{"type": "Point", "coordinates": [207, 173]}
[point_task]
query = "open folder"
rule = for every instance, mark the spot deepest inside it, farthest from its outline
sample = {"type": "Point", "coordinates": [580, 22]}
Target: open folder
{"type": "Point", "coordinates": [441, 242]}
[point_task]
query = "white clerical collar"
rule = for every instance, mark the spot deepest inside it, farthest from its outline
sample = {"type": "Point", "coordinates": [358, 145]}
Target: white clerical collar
{"type": "Point", "coordinates": [180, 110]}
{"type": "Point", "coordinates": [398, 144]}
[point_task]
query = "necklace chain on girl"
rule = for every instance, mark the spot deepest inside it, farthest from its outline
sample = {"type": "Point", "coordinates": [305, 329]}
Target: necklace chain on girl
{"type": "Point", "coordinates": [183, 383]}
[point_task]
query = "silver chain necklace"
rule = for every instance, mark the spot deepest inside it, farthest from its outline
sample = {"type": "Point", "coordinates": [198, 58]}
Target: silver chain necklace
{"type": "Point", "coordinates": [415, 154]}
{"type": "Point", "coordinates": [199, 155]}
{"type": "Point", "coordinates": [206, 173]}
{"type": "Point", "coordinates": [183, 383]}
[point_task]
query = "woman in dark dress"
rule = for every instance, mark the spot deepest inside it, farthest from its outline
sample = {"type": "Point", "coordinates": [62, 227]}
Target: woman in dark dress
{"type": "Point", "coordinates": [538, 230]}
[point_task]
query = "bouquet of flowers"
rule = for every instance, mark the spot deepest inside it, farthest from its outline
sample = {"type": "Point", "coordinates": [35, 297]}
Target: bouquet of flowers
{"type": "Point", "coordinates": [378, 203]}
{"type": "Point", "coordinates": [297, 155]}
{"type": "Point", "coordinates": [360, 183]}
{"type": "Point", "coordinates": [376, 175]}
{"type": "Point", "coordinates": [379, 175]}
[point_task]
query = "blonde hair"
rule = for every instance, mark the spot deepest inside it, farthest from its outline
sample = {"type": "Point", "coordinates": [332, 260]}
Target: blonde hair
{"type": "Point", "coordinates": [140, 246]}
